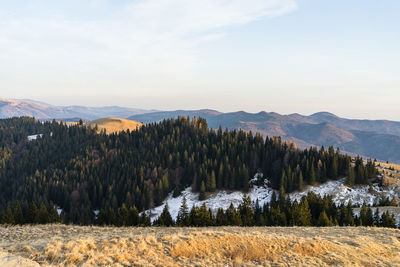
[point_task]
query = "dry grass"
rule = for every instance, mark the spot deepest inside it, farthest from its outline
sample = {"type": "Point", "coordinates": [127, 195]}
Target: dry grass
{"type": "Point", "coordinates": [60, 245]}
{"type": "Point", "coordinates": [389, 165]}
{"type": "Point", "coordinates": [391, 177]}
{"type": "Point", "coordinates": [113, 125]}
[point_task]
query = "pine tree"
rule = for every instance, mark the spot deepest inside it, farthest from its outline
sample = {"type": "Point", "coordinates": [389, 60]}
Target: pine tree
{"type": "Point", "coordinates": [301, 181]}
{"type": "Point", "coordinates": [32, 213]}
{"type": "Point", "coordinates": [53, 216]}
{"type": "Point", "coordinates": [323, 220]}
{"type": "Point", "coordinates": [302, 213]}
{"type": "Point", "coordinates": [282, 186]}
{"type": "Point", "coordinates": [334, 168]}
{"type": "Point", "coordinates": [312, 175]}
{"type": "Point", "coordinates": [17, 213]}
{"type": "Point", "coordinates": [213, 184]}
{"type": "Point", "coordinates": [363, 213]}
{"type": "Point", "coordinates": [7, 217]}
{"type": "Point", "coordinates": [350, 178]}
{"type": "Point", "coordinates": [202, 195]}
{"type": "Point", "coordinates": [377, 220]}
{"type": "Point", "coordinates": [123, 215]}
{"type": "Point", "coordinates": [233, 216]}
{"type": "Point", "coordinates": [183, 214]}
{"type": "Point", "coordinates": [258, 216]}
{"type": "Point", "coordinates": [133, 216]}
{"type": "Point", "coordinates": [43, 216]}
{"type": "Point", "coordinates": [144, 220]}
{"type": "Point", "coordinates": [369, 217]}
{"type": "Point", "coordinates": [246, 211]}
{"type": "Point", "coordinates": [165, 218]}
{"type": "Point", "coordinates": [204, 216]}
{"type": "Point", "coordinates": [221, 218]}
{"type": "Point", "coordinates": [387, 220]}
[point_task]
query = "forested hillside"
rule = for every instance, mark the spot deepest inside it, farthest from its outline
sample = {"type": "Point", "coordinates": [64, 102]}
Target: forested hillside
{"type": "Point", "coordinates": [79, 171]}
{"type": "Point", "coordinates": [378, 139]}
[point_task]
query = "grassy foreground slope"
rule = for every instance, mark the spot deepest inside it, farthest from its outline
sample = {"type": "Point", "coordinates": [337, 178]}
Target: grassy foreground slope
{"type": "Point", "coordinates": [61, 245]}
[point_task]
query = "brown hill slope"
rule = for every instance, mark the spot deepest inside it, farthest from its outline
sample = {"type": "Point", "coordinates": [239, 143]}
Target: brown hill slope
{"type": "Point", "coordinates": [113, 125]}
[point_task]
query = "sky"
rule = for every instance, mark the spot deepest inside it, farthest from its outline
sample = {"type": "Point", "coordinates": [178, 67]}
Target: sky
{"type": "Point", "coordinates": [286, 56]}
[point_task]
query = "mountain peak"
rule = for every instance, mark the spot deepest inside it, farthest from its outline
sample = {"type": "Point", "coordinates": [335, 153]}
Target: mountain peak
{"type": "Point", "coordinates": [324, 114]}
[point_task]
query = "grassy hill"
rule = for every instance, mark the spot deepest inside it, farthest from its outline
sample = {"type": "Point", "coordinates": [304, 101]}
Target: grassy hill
{"type": "Point", "coordinates": [62, 245]}
{"type": "Point", "coordinates": [112, 125]}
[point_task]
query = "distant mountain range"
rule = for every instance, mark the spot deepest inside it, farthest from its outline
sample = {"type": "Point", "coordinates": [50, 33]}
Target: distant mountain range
{"type": "Point", "coordinates": [40, 110]}
{"type": "Point", "coordinates": [378, 139]}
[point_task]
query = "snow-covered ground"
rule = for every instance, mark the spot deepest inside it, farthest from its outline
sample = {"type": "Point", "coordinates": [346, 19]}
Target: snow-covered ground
{"type": "Point", "coordinates": [221, 199]}
{"type": "Point", "coordinates": [340, 192]}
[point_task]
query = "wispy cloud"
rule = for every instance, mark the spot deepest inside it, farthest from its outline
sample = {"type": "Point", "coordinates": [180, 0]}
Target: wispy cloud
{"type": "Point", "coordinates": [145, 36]}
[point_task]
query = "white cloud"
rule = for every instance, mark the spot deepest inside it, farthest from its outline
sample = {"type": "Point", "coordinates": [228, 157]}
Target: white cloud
{"type": "Point", "coordinates": [142, 37]}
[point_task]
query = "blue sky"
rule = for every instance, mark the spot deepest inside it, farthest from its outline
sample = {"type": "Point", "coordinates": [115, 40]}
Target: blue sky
{"type": "Point", "coordinates": [285, 56]}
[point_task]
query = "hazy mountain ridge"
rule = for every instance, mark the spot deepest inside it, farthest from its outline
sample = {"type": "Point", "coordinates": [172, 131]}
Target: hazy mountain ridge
{"type": "Point", "coordinates": [39, 110]}
{"type": "Point", "coordinates": [371, 138]}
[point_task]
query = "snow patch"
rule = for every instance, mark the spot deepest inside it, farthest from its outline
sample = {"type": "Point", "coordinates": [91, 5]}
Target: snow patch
{"type": "Point", "coordinates": [222, 199]}
{"type": "Point", "coordinates": [34, 137]}
{"type": "Point", "coordinates": [59, 211]}
{"type": "Point", "coordinates": [342, 194]}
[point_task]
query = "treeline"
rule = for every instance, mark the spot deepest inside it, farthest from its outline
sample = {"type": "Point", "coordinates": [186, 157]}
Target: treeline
{"type": "Point", "coordinates": [79, 171]}
{"type": "Point", "coordinates": [29, 214]}
{"type": "Point", "coordinates": [312, 210]}
{"type": "Point", "coordinates": [359, 174]}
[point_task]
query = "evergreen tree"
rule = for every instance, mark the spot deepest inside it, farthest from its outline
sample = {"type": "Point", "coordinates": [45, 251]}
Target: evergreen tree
{"type": "Point", "coordinates": [32, 214]}
{"type": "Point", "coordinates": [323, 220]}
{"type": "Point", "coordinates": [7, 217]}
{"type": "Point", "coordinates": [43, 216]}
{"type": "Point", "coordinates": [350, 178]}
{"type": "Point", "coordinates": [312, 175]}
{"type": "Point", "coordinates": [369, 220]}
{"type": "Point", "coordinates": [17, 213]}
{"type": "Point", "coordinates": [123, 215]}
{"type": "Point", "coordinates": [213, 184]}
{"type": "Point", "coordinates": [165, 218]}
{"type": "Point", "coordinates": [302, 213]}
{"type": "Point", "coordinates": [300, 181]}
{"type": "Point", "coordinates": [133, 216]}
{"type": "Point", "coordinates": [202, 195]}
{"type": "Point", "coordinates": [246, 211]}
{"type": "Point", "coordinates": [183, 214]}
